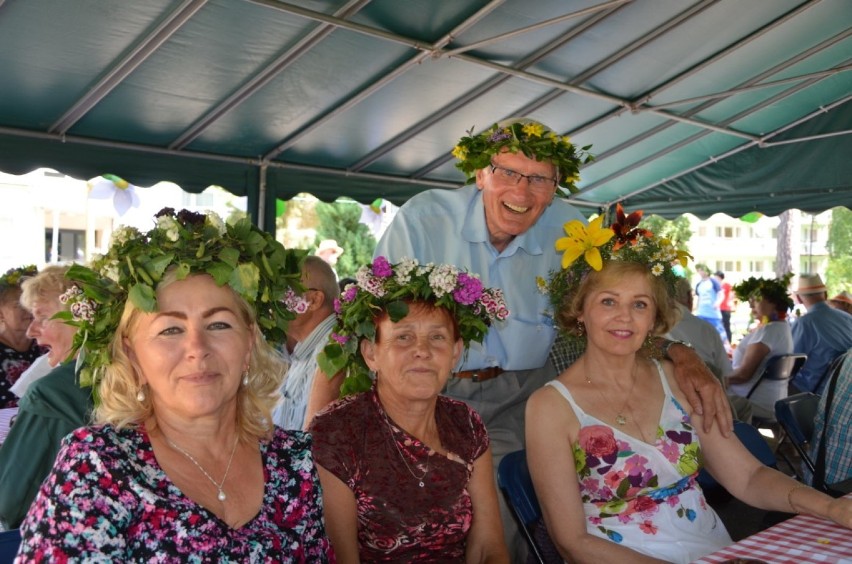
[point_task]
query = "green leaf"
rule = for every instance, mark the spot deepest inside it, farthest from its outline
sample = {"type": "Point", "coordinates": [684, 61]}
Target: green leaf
{"type": "Point", "coordinates": [397, 310]}
{"type": "Point", "coordinates": [143, 297]}
{"type": "Point", "coordinates": [220, 272]}
{"type": "Point", "coordinates": [244, 280]}
{"type": "Point", "coordinates": [230, 256]}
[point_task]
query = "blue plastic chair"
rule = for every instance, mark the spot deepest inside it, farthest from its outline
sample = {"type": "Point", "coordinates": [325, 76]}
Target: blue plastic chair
{"type": "Point", "coordinates": [797, 414]}
{"type": "Point", "coordinates": [9, 543]}
{"type": "Point", "coordinates": [513, 478]}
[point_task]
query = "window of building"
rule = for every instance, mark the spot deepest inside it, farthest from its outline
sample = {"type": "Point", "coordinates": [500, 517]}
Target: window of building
{"type": "Point", "coordinates": [71, 245]}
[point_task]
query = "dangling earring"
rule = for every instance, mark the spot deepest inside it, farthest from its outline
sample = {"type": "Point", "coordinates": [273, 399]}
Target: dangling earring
{"type": "Point", "coordinates": [581, 328]}
{"type": "Point", "coordinates": [140, 395]}
{"type": "Point", "coordinates": [246, 377]}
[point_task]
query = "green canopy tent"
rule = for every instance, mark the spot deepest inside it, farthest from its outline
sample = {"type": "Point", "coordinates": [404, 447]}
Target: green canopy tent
{"type": "Point", "coordinates": [684, 102]}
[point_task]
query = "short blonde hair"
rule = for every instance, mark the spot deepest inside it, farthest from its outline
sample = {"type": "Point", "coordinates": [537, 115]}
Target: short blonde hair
{"type": "Point", "coordinates": [613, 271]}
{"type": "Point", "coordinates": [47, 286]}
{"type": "Point", "coordinates": [120, 382]}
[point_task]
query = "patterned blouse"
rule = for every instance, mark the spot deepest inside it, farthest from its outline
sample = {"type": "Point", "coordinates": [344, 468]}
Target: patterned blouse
{"type": "Point", "coordinates": [398, 519]}
{"type": "Point", "coordinates": [107, 500]}
{"type": "Point", "coordinates": [13, 363]}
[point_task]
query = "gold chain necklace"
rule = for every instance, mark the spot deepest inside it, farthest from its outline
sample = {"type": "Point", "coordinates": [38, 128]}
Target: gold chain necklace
{"type": "Point", "coordinates": [420, 478]}
{"type": "Point", "coordinates": [619, 415]}
{"type": "Point", "coordinates": [221, 496]}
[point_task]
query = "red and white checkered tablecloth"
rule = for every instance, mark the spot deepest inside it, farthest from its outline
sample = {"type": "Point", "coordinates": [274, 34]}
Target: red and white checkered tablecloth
{"type": "Point", "coordinates": [802, 539]}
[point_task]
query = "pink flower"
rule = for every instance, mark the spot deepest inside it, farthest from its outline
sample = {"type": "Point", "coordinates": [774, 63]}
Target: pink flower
{"type": "Point", "coordinates": [350, 292]}
{"type": "Point", "coordinates": [644, 504]}
{"type": "Point", "coordinates": [648, 527]}
{"type": "Point", "coordinates": [597, 440]}
{"type": "Point", "coordinates": [670, 451]}
{"type": "Point", "coordinates": [336, 306]}
{"type": "Point", "coordinates": [342, 339]}
{"type": "Point", "coordinates": [469, 289]}
{"type": "Point", "coordinates": [382, 268]}
{"type": "Point", "coordinates": [613, 479]}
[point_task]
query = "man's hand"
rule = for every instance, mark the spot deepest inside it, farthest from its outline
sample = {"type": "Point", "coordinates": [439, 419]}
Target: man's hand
{"type": "Point", "coordinates": [702, 389]}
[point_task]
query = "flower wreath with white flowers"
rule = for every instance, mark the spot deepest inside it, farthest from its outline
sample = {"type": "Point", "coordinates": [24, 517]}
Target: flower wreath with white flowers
{"type": "Point", "coordinates": [531, 138]}
{"type": "Point", "coordinates": [250, 261]}
{"type": "Point", "coordinates": [587, 247]}
{"type": "Point", "coordinates": [382, 286]}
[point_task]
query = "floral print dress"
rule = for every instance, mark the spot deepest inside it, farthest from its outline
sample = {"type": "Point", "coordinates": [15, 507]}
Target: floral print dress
{"type": "Point", "coordinates": [13, 363]}
{"type": "Point", "coordinates": [642, 495]}
{"type": "Point", "coordinates": [107, 500]}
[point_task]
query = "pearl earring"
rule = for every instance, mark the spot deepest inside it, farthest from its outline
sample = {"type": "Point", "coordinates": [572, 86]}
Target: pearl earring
{"type": "Point", "coordinates": [140, 395]}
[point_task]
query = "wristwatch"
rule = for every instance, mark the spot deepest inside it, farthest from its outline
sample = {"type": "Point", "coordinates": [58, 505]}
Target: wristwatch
{"type": "Point", "coordinates": [668, 345]}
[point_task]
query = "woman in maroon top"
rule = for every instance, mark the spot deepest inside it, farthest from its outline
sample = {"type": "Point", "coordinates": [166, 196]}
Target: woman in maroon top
{"type": "Point", "coordinates": [406, 473]}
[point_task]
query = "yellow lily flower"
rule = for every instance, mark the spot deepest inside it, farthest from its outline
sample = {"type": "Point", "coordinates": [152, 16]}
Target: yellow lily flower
{"type": "Point", "coordinates": [584, 240]}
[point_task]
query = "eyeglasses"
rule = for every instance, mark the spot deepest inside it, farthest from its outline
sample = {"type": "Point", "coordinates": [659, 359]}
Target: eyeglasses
{"type": "Point", "coordinates": [508, 176]}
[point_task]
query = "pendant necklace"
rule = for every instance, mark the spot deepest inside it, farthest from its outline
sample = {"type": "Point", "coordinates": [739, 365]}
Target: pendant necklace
{"type": "Point", "coordinates": [222, 497]}
{"type": "Point", "coordinates": [619, 415]}
{"type": "Point", "coordinates": [420, 478]}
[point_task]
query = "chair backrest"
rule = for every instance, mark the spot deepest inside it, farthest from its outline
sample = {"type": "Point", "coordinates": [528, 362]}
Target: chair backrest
{"type": "Point", "coordinates": [751, 438]}
{"type": "Point", "coordinates": [513, 478]}
{"type": "Point", "coordinates": [9, 543]}
{"type": "Point", "coordinates": [780, 367]}
{"type": "Point", "coordinates": [797, 414]}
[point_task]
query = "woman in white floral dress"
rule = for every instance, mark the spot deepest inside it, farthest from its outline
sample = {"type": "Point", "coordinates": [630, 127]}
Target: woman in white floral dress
{"type": "Point", "coordinates": [612, 444]}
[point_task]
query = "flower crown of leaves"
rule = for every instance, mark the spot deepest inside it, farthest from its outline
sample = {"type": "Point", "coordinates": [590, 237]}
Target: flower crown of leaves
{"type": "Point", "coordinates": [774, 289]}
{"type": "Point", "coordinates": [250, 261]}
{"type": "Point", "coordinates": [587, 247]}
{"type": "Point", "coordinates": [14, 276]}
{"type": "Point", "coordinates": [382, 286]}
{"type": "Point", "coordinates": [533, 139]}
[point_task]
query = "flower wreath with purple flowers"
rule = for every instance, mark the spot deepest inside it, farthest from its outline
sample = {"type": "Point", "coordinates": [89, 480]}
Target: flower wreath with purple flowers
{"type": "Point", "coordinates": [250, 261]}
{"type": "Point", "coordinates": [382, 286]}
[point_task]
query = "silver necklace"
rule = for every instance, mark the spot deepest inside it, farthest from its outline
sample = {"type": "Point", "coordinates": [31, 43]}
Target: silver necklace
{"type": "Point", "coordinates": [221, 496]}
{"type": "Point", "coordinates": [619, 415]}
{"type": "Point", "coordinates": [420, 478]}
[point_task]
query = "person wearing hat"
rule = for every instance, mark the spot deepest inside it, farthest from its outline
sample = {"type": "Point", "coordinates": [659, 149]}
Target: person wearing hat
{"type": "Point", "coordinates": [842, 301]}
{"type": "Point", "coordinates": [823, 333]}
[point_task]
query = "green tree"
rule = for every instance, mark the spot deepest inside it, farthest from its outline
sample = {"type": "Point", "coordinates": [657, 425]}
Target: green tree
{"type": "Point", "coordinates": [839, 272]}
{"type": "Point", "coordinates": [340, 221]}
{"type": "Point", "coordinates": [678, 231]}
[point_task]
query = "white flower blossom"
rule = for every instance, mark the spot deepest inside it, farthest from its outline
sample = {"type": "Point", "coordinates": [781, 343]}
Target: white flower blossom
{"type": "Point", "coordinates": [214, 220]}
{"type": "Point", "coordinates": [443, 279]}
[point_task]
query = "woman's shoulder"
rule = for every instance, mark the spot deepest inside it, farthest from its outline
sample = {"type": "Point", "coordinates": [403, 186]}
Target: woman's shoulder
{"type": "Point", "coordinates": [343, 412]}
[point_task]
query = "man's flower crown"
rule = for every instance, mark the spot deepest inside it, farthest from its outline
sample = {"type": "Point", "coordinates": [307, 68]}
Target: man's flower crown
{"type": "Point", "coordinates": [774, 289]}
{"type": "Point", "coordinates": [382, 286]}
{"type": "Point", "coordinates": [250, 261]}
{"type": "Point", "coordinates": [531, 138]}
{"type": "Point", "coordinates": [14, 276]}
{"type": "Point", "coordinates": [587, 247]}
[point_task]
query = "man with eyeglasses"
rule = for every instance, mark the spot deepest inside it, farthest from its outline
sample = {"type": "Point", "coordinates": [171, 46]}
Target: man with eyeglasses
{"type": "Point", "coordinates": [502, 226]}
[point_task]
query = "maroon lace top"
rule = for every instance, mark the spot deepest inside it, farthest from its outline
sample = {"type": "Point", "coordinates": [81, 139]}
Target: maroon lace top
{"type": "Point", "coordinates": [398, 520]}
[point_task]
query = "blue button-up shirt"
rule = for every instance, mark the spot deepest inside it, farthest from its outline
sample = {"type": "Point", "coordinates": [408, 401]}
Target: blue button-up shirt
{"type": "Point", "coordinates": [448, 226]}
{"type": "Point", "coordinates": [824, 333]}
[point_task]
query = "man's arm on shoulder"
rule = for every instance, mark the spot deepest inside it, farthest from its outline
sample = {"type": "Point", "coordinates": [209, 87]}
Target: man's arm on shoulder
{"type": "Point", "coordinates": [703, 391]}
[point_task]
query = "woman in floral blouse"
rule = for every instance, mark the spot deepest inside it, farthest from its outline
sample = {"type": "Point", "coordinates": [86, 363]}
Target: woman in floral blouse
{"type": "Point", "coordinates": [613, 446]}
{"type": "Point", "coordinates": [183, 464]}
